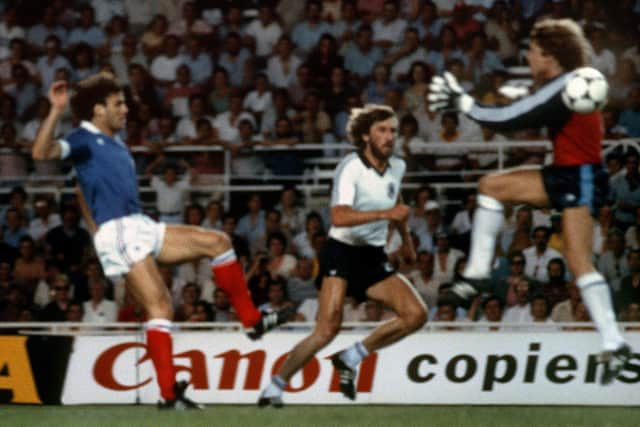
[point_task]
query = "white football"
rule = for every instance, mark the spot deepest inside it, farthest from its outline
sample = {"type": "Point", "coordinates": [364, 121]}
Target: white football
{"type": "Point", "coordinates": [586, 90]}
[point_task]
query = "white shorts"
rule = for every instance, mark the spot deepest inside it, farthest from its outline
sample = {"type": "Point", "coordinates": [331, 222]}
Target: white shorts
{"type": "Point", "coordinates": [121, 243]}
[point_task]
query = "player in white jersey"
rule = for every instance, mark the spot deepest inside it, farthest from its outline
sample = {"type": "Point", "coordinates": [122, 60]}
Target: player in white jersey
{"type": "Point", "coordinates": [365, 198]}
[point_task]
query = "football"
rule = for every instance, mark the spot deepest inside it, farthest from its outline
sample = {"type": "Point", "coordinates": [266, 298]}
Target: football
{"type": "Point", "coordinates": [586, 90]}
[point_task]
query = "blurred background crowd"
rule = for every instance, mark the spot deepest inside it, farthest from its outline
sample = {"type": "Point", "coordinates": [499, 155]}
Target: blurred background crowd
{"type": "Point", "coordinates": [209, 79]}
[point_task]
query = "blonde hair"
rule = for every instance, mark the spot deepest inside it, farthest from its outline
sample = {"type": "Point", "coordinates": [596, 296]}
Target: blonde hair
{"type": "Point", "coordinates": [564, 40]}
{"type": "Point", "coordinates": [361, 120]}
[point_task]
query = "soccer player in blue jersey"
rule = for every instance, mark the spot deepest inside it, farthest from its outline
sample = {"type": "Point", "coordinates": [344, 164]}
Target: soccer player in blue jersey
{"type": "Point", "coordinates": [128, 242]}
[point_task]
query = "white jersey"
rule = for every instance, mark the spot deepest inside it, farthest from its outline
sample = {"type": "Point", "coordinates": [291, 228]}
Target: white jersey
{"type": "Point", "coordinates": [359, 185]}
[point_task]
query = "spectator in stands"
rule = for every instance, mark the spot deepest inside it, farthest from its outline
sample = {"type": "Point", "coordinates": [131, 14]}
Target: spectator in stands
{"type": "Point", "coordinates": [18, 55]}
{"type": "Point", "coordinates": [68, 243]}
{"type": "Point", "coordinates": [401, 59]}
{"type": "Point", "coordinates": [273, 225]}
{"type": "Point", "coordinates": [323, 59]}
{"type": "Point", "coordinates": [128, 54]}
{"type": "Point", "coordinates": [428, 24]}
{"type": "Point", "coordinates": [302, 242]}
{"type": "Point", "coordinates": [347, 23]}
{"type": "Point", "coordinates": [417, 220]}
{"type": "Point", "coordinates": [337, 92]}
{"type": "Point", "coordinates": [461, 224]}
{"type": "Point", "coordinates": [140, 91]}
{"type": "Point", "coordinates": [22, 89]}
{"type": "Point", "coordinates": [389, 28]}
{"type": "Point", "coordinates": [482, 61]}
{"type": "Point", "coordinates": [202, 312]}
{"type": "Point", "coordinates": [7, 252]}
{"type": "Point", "coordinates": [520, 312]}
{"type": "Point", "coordinates": [153, 37]}
{"type": "Point", "coordinates": [302, 84]}
{"type": "Point", "coordinates": [601, 57]}
{"type": "Point", "coordinates": [516, 236]}
{"type": "Point", "coordinates": [540, 309]}
{"type": "Point", "coordinates": [281, 264]}
{"type": "Point", "coordinates": [283, 65]}
{"type": "Point", "coordinates": [630, 115]}
{"type": "Point", "coordinates": [613, 262]}
{"type": "Point", "coordinates": [244, 161]}
{"type": "Point", "coordinates": [277, 298]}
{"type": "Point", "coordinates": [629, 291]}
{"type": "Point", "coordinates": [539, 254]}
{"type": "Point", "coordinates": [502, 30]}
{"type": "Point", "coordinates": [312, 122]}
{"type": "Point", "coordinates": [165, 65]}
{"type": "Point", "coordinates": [9, 27]}
{"type": "Point", "coordinates": [263, 32]}
{"type": "Point", "coordinates": [44, 219]}
{"type": "Point", "coordinates": [492, 310]}
{"type": "Point", "coordinates": [555, 289]}
{"type": "Point", "coordinates": [87, 31]}
{"type": "Point", "coordinates": [191, 24]}
{"type": "Point", "coordinates": [422, 278]}
{"type": "Point", "coordinates": [116, 29]}
{"type": "Point", "coordinates": [190, 295]}
{"type": "Point", "coordinates": [50, 61]}
{"type": "Point", "coordinates": [226, 123]}
{"type": "Point", "coordinates": [293, 216]}
{"type": "Point", "coordinates": [505, 288]}
{"type": "Point", "coordinates": [463, 22]}
{"type": "Point", "coordinates": [625, 78]}
{"type": "Point", "coordinates": [233, 21]}
{"type": "Point", "coordinates": [214, 214]}
{"type": "Point", "coordinates": [446, 258]}
{"type": "Point", "coordinates": [237, 60]}
{"type": "Point", "coordinates": [13, 164]}
{"type": "Point", "coordinates": [625, 192]}
{"type": "Point", "coordinates": [11, 305]}
{"type": "Point", "coordinates": [56, 310]}
{"type": "Point", "coordinates": [15, 229]}
{"type": "Point", "coordinates": [258, 100]}
{"type": "Point", "coordinates": [29, 267]}
{"type": "Point", "coordinates": [307, 33]}
{"type": "Point", "coordinates": [176, 98]}
{"type": "Point", "coordinates": [99, 309]}
{"type": "Point", "coordinates": [301, 283]}
{"type": "Point", "coordinates": [632, 54]}
{"type": "Point", "coordinates": [170, 191]}
{"type": "Point", "coordinates": [378, 86]}
{"type": "Point", "coordinates": [449, 157]}
{"type": "Point", "coordinates": [83, 61]}
{"type": "Point", "coordinates": [252, 224]}
{"type": "Point", "coordinates": [187, 126]}
{"type": "Point", "coordinates": [222, 311]}
{"type": "Point", "coordinates": [47, 26]}
{"type": "Point", "coordinates": [361, 56]}
{"type": "Point", "coordinates": [632, 236]}
{"type": "Point", "coordinates": [198, 61]}
{"type": "Point", "coordinates": [448, 49]}
{"type": "Point", "coordinates": [418, 78]}
{"type": "Point", "coordinates": [434, 226]}
{"type": "Point", "coordinates": [601, 227]}
{"type": "Point", "coordinates": [239, 243]}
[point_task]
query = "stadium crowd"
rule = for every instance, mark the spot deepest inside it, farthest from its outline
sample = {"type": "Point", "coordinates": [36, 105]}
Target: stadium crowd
{"type": "Point", "coordinates": [240, 74]}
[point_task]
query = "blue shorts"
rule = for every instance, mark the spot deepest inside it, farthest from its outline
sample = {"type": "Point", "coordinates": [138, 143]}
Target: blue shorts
{"type": "Point", "coordinates": [572, 186]}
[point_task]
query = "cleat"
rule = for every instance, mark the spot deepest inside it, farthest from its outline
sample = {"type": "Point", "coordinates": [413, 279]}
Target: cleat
{"type": "Point", "coordinates": [464, 290]}
{"type": "Point", "coordinates": [181, 402]}
{"type": "Point", "coordinates": [275, 401]}
{"type": "Point", "coordinates": [347, 376]}
{"type": "Point", "coordinates": [614, 362]}
{"type": "Point", "coordinates": [270, 321]}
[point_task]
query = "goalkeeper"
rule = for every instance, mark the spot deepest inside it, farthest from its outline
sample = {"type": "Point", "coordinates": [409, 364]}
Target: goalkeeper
{"type": "Point", "coordinates": [575, 183]}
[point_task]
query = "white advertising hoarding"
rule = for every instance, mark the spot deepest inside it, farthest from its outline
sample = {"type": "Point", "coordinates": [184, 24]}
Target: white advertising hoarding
{"type": "Point", "coordinates": [523, 368]}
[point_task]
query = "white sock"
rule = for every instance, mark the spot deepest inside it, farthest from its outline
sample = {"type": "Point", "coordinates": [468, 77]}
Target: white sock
{"type": "Point", "coordinates": [275, 387]}
{"type": "Point", "coordinates": [597, 297]}
{"type": "Point", "coordinates": [487, 222]}
{"type": "Point", "coordinates": [354, 354]}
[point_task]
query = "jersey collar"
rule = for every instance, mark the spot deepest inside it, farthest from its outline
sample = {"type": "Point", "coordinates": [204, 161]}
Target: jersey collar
{"type": "Point", "coordinates": [89, 126]}
{"type": "Point", "coordinates": [368, 164]}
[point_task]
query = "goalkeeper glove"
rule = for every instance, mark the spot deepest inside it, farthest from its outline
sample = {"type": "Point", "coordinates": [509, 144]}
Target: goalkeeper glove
{"type": "Point", "coordinates": [446, 94]}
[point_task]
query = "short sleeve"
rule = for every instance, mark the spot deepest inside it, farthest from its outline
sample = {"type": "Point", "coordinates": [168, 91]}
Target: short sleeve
{"type": "Point", "coordinates": [344, 185]}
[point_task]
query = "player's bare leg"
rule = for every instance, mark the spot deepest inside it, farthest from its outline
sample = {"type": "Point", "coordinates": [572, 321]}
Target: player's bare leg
{"type": "Point", "coordinates": [397, 293]}
{"type": "Point", "coordinates": [184, 243]}
{"type": "Point", "coordinates": [145, 283]}
{"type": "Point", "coordinates": [513, 186]}
{"type": "Point", "coordinates": [577, 230]}
{"type": "Point", "coordinates": [329, 319]}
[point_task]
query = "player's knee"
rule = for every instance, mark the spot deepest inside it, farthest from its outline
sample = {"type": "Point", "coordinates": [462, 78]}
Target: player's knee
{"type": "Point", "coordinates": [487, 185]}
{"type": "Point", "coordinates": [327, 332]}
{"type": "Point", "coordinates": [415, 318]}
{"type": "Point", "coordinates": [160, 308]}
{"type": "Point", "coordinates": [216, 241]}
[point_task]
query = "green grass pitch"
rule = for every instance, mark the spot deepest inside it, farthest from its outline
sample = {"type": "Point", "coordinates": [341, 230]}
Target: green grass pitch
{"type": "Point", "coordinates": [325, 416]}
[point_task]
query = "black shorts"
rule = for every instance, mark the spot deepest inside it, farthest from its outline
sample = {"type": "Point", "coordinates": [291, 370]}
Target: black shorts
{"type": "Point", "coordinates": [572, 186]}
{"type": "Point", "coordinates": [360, 266]}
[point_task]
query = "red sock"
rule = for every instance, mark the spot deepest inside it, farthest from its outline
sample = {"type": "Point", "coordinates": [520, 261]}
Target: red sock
{"type": "Point", "coordinates": [230, 278]}
{"type": "Point", "coordinates": [160, 349]}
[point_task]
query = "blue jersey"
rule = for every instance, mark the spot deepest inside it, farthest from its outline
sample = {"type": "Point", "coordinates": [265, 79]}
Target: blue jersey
{"type": "Point", "coordinates": [105, 170]}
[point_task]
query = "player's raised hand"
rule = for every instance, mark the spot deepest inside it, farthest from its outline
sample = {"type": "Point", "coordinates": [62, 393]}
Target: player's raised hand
{"type": "Point", "coordinates": [446, 94]}
{"type": "Point", "coordinates": [399, 213]}
{"type": "Point", "coordinates": [59, 95]}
